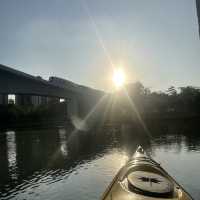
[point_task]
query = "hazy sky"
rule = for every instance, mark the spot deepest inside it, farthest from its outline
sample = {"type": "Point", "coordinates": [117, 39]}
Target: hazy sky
{"type": "Point", "coordinates": [156, 41]}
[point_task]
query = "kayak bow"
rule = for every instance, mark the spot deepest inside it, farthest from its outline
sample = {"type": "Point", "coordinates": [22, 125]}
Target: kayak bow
{"type": "Point", "coordinates": [142, 178]}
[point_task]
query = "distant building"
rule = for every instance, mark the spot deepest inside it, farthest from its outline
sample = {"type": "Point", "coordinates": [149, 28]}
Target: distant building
{"type": "Point", "coordinates": [3, 99]}
{"type": "Point", "coordinates": [198, 13]}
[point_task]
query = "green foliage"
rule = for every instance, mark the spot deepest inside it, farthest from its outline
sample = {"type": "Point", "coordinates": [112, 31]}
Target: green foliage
{"type": "Point", "coordinates": [136, 100]}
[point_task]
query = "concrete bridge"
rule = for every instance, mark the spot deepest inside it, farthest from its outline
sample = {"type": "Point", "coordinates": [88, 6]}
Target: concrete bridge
{"type": "Point", "coordinates": [79, 99]}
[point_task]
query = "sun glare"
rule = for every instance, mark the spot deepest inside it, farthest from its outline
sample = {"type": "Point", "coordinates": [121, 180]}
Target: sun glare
{"type": "Point", "coordinates": [119, 77]}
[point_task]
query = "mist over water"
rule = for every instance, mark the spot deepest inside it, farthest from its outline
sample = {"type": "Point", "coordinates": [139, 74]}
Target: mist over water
{"type": "Point", "coordinates": [55, 164]}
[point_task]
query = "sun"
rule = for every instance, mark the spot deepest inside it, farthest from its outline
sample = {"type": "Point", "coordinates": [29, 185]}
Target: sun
{"type": "Point", "coordinates": [118, 77]}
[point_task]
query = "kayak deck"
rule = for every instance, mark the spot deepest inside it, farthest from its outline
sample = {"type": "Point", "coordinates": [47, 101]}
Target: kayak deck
{"type": "Point", "coordinates": [144, 179]}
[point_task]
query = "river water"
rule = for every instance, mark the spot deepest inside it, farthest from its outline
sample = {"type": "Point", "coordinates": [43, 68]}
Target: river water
{"type": "Point", "coordinates": [60, 163]}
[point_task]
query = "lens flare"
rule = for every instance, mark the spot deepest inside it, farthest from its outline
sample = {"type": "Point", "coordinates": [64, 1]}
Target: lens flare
{"type": "Point", "coordinates": [119, 77]}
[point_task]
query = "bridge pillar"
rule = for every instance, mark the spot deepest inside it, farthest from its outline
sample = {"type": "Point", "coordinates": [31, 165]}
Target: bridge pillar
{"type": "Point", "coordinates": [38, 100]}
{"type": "Point", "coordinates": [72, 107]}
{"type": "Point", "coordinates": [3, 99]}
{"type": "Point", "coordinates": [23, 100]}
{"type": "Point", "coordinates": [53, 100]}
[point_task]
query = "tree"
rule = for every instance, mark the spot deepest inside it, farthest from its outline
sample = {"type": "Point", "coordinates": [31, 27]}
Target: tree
{"type": "Point", "coordinates": [171, 91]}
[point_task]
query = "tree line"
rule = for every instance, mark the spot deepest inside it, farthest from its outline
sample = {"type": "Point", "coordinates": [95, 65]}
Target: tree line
{"type": "Point", "coordinates": [136, 100]}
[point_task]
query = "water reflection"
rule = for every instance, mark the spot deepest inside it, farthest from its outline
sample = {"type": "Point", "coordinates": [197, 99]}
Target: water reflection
{"type": "Point", "coordinates": [11, 153]}
{"type": "Point", "coordinates": [49, 164]}
{"type": "Point", "coordinates": [63, 141]}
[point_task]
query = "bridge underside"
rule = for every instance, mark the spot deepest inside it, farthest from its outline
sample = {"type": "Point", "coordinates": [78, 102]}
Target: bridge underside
{"type": "Point", "coordinates": [11, 83]}
{"type": "Point", "coordinates": [18, 83]}
{"type": "Point", "coordinates": [80, 99]}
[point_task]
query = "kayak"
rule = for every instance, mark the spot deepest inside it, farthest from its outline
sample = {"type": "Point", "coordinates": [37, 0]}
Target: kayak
{"type": "Point", "coordinates": [142, 178]}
